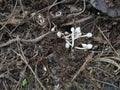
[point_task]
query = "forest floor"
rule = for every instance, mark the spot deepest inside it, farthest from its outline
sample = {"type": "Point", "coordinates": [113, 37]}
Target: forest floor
{"type": "Point", "coordinates": [32, 57]}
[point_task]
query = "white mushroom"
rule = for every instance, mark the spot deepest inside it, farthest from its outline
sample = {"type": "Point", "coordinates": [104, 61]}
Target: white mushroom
{"type": "Point", "coordinates": [88, 35]}
{"type": "Point", "coordinates": [72, 35]}
{"type": "Point", "coordinates": [87, 46]}
{"type": "Point", "coordinates": [67, 45]}
{"type": "Point", "coordinates": [59, 34]}
{"type": "Point", "coordinates": [77, 33]}
{"type": "Point", "coordinates": [79, 48]}
{"type": "Point", "coordinates": [53, 28]}
{"type": "Point", "coordinates": [78, 30]}
{"type": "Point", "coordinates": [66, 33]}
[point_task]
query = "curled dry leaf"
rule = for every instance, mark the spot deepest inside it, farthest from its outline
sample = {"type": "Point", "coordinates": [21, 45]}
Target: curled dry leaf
{"type": "Point", "coordinates": [13, 21]}
{"type": "Point", "coordinates": [99, 39]}
{"type": "Point", "coordinates": [108, 60]}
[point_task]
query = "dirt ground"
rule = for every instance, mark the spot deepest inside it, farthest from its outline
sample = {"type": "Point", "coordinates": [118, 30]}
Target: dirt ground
{"type": "Point", "coordinates": [32, 57]}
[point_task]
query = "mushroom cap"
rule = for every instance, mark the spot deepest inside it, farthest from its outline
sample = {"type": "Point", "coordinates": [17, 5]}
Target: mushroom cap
{"type": "Point", "coordinates": [89, 35]}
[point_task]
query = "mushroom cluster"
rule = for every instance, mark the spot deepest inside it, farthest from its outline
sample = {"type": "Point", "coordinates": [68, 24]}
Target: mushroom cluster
{"type": "Point", "coordinates": [71, 37]}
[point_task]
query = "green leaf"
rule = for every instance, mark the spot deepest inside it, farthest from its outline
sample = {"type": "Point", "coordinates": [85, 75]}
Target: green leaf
{"type": "Point", "coordinates": [24, 82]}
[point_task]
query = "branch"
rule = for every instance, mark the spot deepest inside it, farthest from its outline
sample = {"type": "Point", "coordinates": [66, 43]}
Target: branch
{"type": "Point", "coordinates": [24, 40]}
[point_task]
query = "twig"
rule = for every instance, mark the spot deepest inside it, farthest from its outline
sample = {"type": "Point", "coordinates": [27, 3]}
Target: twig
{"type": "Point", "coordinates": [50, 6]}
{"type": "Point", "coordinates": [109, 61]}
{"type": "Point", "coordinates": [36, 39]}
{"type": "Point", "coordinates": [20, 1]}
{"type": "Point", "coordinates": [106, 83]}
{"type": "Point", "coordinates": [76, 14]}
{"type": "Point", "coordinates": [36, 83]}
{"type": "Point", "coordinates": [77, 21]}
{"type": "Point", "coordinates": [88, 58]}
{"type": "Point", "coordinates": [9, 42]}
{"type": "Point", "coordinates": [24, 40]}
{"type": "Point", "coordinates": [4, 85]}
{"type": "Point", "coordinates": [25, 61]}
{"type": "Point", "coordinates": [20, 77]}
{"type": "Point", "coordinates": [108, 41]}
{"type": "Point", "coordinates": [10, 15]}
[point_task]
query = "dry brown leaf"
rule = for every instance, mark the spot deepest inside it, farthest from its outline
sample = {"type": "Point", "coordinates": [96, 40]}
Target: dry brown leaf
{"type": "Point", "coordinates": [72, 8]}
{"type": "Point", "coordinates": [108, 60]}
{"type": "Point", "coordinates": [13, 21]}
{"type": "Point", "coordinates": [99, 39]}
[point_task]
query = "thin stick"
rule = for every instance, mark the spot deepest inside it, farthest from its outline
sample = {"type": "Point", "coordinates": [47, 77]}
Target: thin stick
{"type": "Point", "coordinates": [8, 42]}
{"type": "Point", "coordinates": [50, 6]}
{"type": "Point", "coordinates": [108, 41]}
{"type": "Point", "coordinates": [106, 83]}
{"type": "Point", "coordinates": [36, 39]}
{"type": "Point", "coordinates": [4, 85]}
{"type": "Point", "coordinates": [109, 61]}
{"type": "Point", "coordinates": [76, 14]}
{"type": "Point", "coordinates": [20, 1]}
{"type": "Point", "coordinates": [88, 58]}
{"type": "Point", "coordinates": [20, 77]}
{"type": "Point", "coordinates": [25, 61]}
{"type": "Point", "coordinates": [24, 40]}
{"type": "Point", "coordinates": [78, 21]}
{"type": "Point", "coordinates": [10, 15]}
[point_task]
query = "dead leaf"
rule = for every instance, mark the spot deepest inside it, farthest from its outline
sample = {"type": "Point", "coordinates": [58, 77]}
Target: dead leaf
{"type": "Point", "coordinates": [13, 21]}
{"type": "Point", "coordinates": [99, 39]}
{"type": "Point", "coordinates": [73, 8]}
{"type": "Point", "coordinates": [108, 60]}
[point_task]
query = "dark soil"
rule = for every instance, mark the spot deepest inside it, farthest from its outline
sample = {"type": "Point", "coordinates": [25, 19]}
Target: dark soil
{"type": "Point", "coordinates": [45, 64]}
